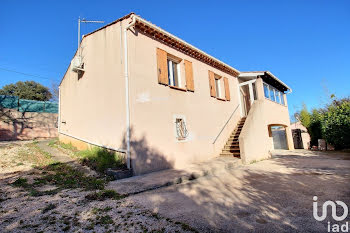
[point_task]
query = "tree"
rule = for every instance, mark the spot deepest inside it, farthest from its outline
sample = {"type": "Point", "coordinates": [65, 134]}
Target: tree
{"type": "Point", "coordinates": [29, 90]}
{"type": "Point", "coordinates": [55, 91]}
{"type": "Point", "coordinates": [304, 116]}
{"type": "Point", "coordinates": [315, 127]}
{"type": "Point", "coordinates": [336, 123]}
{"type": "Point", "coordinates": [331, 123]}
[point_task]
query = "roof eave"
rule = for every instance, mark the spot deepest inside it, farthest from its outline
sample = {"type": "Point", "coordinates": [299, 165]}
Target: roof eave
{"type": "Point", "coordinates": [261, 73]}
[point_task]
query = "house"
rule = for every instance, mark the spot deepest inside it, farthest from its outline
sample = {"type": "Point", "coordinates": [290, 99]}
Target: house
{"type": "Point", "coordinates": [134, 88]}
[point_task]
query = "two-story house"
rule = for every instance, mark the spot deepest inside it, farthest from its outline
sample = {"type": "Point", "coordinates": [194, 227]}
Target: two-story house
{"type": "Point", "coordinates": [134, 88]}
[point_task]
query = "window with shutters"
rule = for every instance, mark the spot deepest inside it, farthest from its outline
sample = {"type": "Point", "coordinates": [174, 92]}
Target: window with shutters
{"type": "Point", "coordinates": [174, 72]}
{"type": "Point", "coordinates": [219, 87]}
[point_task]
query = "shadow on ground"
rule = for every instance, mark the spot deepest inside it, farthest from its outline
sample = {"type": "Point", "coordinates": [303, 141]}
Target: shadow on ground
{"type": "Point", "coordinates": [269, 196]}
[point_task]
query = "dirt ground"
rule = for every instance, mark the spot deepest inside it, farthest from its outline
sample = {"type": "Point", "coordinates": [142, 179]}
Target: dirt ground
{"type": "Point", "coordinates": [273, 195]}
{"type": "Point", "coordinates": [44, 209]}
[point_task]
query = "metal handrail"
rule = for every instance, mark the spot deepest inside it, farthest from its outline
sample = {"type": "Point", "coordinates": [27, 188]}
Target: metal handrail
{"type": "Point", "coordinates": [226, 123]}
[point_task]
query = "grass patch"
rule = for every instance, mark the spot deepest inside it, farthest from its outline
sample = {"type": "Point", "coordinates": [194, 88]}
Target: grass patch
{"type": "Point", "coordinates": [61, 176]}
{"type": "Point", "coordinates": [104, 220]}
{"type": "Point", "coordinates": [101, 210]}
{"type": "Point", "coordinates": [60, 145]}
{"type": "Point", "coordinates": [96, 158]}
{"type": "Point", "coordinates": [33, 154]}
{"type": "Point", "coordinates": [48, 208]}
{"type": "Point", "coordinates": [20, 182]}
{"type": "Point", "coordinates": [65, 177]}
{"type": "Point", "coordinates": [101, 159]}
{"type": "Point", "coordinates": [104, 195]}
{"type": "Point", "coordinates": [53, 142]}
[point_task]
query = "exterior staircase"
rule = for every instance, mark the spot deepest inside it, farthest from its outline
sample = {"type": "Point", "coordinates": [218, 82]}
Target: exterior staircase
{"type": "Point", "coordinates": [232, 145]}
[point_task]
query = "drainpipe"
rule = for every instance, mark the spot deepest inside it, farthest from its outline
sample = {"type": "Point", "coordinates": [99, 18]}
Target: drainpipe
{"type": "Point", "coordinates": [127, 102]}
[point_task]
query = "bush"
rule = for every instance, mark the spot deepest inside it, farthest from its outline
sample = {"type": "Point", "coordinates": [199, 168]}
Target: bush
{"type": "Point", "coordinates": [331, 123]}
{"type": "Point", "coordinates": [336, 124]}
{"type": "Point", "coordinates": [101, 159]}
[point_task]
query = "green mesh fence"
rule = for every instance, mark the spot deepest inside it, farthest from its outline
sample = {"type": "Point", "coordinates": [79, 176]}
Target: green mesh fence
{"type": "Point", "coordinates": [51, 107]}
{"type": "Point", "coordinates": [28, 105]}
{"type": "Point", "coordinates": [8, 101]}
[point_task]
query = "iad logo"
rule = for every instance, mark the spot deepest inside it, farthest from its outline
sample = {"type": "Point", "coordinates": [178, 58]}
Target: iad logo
{"type": "Point", "coordinates": [333, 227]}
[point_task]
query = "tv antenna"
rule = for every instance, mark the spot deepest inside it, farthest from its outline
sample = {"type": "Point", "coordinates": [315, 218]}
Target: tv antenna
{"type": "Point", "coordinates": [84, 21]}
{"type": "Point", "coordinates": [77, 64]}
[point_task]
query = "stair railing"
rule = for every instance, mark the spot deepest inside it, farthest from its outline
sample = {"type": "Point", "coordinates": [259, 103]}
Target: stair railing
{"type": "Point", "coordinates": [222, 129]}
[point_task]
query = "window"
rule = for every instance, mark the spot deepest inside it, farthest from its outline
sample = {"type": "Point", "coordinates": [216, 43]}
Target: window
{"type": "Point", "coordinates": [273, 94]}
{"type": "Point", "coordinates": [266, 91]}
{"type": "Point", "coordinates": [278, 96]}
{"type": "Point", "coordinates": [181, 130]}
{"type": "Point", "coordinates": [218, 85]}
{"type": "Point", "coordinates": [282, 99]}
{"type": "Point", "coordinates": [174, 73]}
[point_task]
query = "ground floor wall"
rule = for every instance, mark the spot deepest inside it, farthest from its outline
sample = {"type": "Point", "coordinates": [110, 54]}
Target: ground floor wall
{"type": "Point", "coordinates": [256, 139]}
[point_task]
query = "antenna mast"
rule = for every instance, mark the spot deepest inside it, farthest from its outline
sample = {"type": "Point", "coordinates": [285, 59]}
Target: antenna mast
{"type": "Point", "coordinates": [84, 21]}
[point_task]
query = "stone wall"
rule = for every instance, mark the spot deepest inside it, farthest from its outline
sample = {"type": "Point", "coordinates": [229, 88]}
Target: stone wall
{"type": "Point", "coordinates": [15, 125]}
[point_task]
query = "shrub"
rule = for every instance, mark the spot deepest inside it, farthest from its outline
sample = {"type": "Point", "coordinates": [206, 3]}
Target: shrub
{"type": "Point", "coordinates": [336, 124]}
{"type": "Point", "coordinates": [101, 159]}
{"type": "Point", "coordinates": [331, 123]}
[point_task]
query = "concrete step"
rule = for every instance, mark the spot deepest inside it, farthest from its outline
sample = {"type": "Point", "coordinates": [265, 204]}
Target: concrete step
{"type": "Point", "coordinates": [230, 151]}
{"type": "Point", "coordinates": [230, 154]}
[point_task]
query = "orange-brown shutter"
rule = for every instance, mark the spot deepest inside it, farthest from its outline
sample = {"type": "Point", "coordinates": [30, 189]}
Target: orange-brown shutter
{"type": "Point", "coordinates": [162, 67]}
{"type": "Point", "coordinates": [227, 89]}
{"type": "Point", "coordinates": [212, 84]}
{"type": "Point", "coordinates": [189, 76]}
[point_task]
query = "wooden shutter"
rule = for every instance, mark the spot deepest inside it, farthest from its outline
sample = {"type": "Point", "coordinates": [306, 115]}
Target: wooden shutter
{"type": "Point", "coordinates": [227, 89]}
{"type": "Point", "coordinates": [189, 75]}
{"type": "Point", "coordinates": [162, 66]}
{"type": "Point", "coordinates": [212, 84]}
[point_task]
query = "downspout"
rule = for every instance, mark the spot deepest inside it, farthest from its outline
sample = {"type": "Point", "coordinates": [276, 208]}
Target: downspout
{"type": "Point", "coordinates": [127, 102]}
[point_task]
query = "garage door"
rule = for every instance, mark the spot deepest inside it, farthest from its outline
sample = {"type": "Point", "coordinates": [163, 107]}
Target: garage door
{"type": "Point", "coordinates": [279, 137]}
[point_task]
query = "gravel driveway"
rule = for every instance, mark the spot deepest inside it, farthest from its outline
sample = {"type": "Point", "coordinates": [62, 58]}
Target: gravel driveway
{"type": "Point", "coordinates": [274, 195]}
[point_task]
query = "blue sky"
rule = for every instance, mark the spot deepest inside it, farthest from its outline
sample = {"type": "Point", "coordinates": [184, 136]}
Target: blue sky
{"type": "Point", "coordinates": [304, 43]}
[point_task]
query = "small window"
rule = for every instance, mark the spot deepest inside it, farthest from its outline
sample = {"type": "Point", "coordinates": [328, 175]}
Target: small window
{"type": "Point", "coordinates": [181, 130]}
{"type": "Point", "coordinates": [218, 87]}
{"type": "Point", "coordinates": [174, 73]}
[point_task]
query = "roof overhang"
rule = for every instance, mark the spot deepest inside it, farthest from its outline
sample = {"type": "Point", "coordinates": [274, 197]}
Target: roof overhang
{"type": "Point", "coordinates": [170, 40]}
{"type": "Point", "coordinates": [268, 77]}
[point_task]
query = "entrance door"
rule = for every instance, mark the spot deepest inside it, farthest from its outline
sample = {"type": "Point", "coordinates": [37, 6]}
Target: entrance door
{"type": "Point", "coordinates": [247, 96]}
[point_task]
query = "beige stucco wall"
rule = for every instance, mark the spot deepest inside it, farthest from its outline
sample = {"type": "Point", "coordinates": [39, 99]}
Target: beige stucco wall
{"type": "Point", "coordinates": [93, 107]}
{"type": "Point", "coordinates": [154, 107]}
{"type": "Point", "coordinates": [254, 141]}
